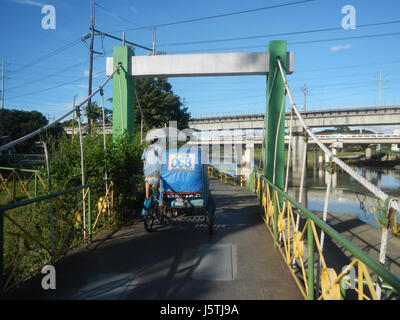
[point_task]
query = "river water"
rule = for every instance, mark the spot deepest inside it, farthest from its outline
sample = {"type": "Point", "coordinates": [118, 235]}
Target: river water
{"type": "Point", "coordinates": [343, 198]}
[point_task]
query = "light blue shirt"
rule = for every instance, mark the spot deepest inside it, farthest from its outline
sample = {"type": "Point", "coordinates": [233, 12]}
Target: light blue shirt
{"type": "Point", "coordinates": [152, 156]}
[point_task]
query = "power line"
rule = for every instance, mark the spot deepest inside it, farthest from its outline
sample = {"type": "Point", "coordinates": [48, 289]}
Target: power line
{"type": "Point", "coordinates": [115, 15]}
{"type": "Point", "coordinates": [34, 81]}
{"type": "Point", "coordinates": [46, 89]}
{"type": "Point", "coordinates": [294, 43]}
{"type": "Point", "coordinates": [119, 39]}
{"type": "Point", "coordinates": [51, 54]}
{"type": "Point", "coordinates": [217, 16]}
{"type": "Point", "coordinates": [347, 38]}
{"type": "Point", "coordinates": [40, 74]}
{"type": "Point", "coordinates": [50, 88]}
{"type": "Point", "coordinates": [275, 34]}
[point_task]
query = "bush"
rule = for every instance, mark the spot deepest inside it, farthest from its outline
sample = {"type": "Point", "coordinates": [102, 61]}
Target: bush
{"type": "Point", "coordinates": [24, 254]}
{"type": "Point", "coordinates": [121, 159]}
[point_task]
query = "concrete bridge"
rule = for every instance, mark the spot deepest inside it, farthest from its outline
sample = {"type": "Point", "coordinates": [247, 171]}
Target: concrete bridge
{"type": "Point", "coordinates": [326, 139]}
{"type": "Point", "coordinates": [96, 129]}
{"type": "Point", "coordinates": [370, 116]}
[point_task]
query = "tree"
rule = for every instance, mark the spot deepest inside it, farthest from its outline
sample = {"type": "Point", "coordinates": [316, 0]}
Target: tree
{"type": "Point", "coordinates": [18, 123]}
{"type": "Point", "coordinates": [94, 114]}
{"type": "Point", "coordinates": [159, 104]}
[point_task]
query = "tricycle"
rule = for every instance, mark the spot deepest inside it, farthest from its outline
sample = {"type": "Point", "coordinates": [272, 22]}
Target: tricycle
{"type": "Point", "coordinates": [184, 188]}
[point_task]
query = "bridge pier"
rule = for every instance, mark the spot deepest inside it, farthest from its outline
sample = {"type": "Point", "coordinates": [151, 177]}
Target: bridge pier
{"type": "Point", "coordinates": [299, 151]}
{"type": "Point", "coordinates": [244, 158]}
{"type": "Point", "coordinates": [299, 146]}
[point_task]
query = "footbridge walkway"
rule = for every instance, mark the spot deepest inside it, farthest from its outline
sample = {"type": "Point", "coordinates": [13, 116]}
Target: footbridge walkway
{"type": "Point", "coordinates": [267, 244]}
{"type": "Point", "coordinates": [178, 260]}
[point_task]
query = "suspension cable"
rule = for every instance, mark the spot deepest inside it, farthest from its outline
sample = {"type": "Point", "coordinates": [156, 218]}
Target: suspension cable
{"type": "Point", "coordinates": [277, 133]}
{"type": "Point", "coordinates": [375, 190]}
{"type": "Point", "coordinates": [52, 124]}
{"type": "Point", "coordinates": [142, 119]}
{"type": "Point", "coordinates": [120, 102]}
{"type": "Point", "coordinates": [389, 201]}
{"type": "Point", "coordinates": [78, 115]}
{"type": "Point", "coordinates": [288, 154]}
{"type": "Point", "coordinates": [105, 148]}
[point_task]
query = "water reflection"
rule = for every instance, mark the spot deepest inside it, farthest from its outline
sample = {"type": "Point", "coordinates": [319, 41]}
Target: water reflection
{"type": "Point", "coordinates": [385, 178]}
{"type": "Point", "coordinates": [345, 201]}
{"type": "Point", "coordinates": [340, 201]}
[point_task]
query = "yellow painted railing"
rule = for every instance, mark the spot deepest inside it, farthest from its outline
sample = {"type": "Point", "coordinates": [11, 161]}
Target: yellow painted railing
{"type": "Point", "coordinates": [295, 233]}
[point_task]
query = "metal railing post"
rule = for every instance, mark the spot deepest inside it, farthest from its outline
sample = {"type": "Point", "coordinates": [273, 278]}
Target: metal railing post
{"type": "Point", "coordinates": [90, 213]}
{"type": "Point", "coordinates": [275, 226]}
{"type": "Point", "coordinates": [310, 244]}
{"type": "Point", "coordinates": [36, 185]}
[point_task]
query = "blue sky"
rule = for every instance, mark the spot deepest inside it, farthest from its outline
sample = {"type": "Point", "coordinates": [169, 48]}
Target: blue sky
{"type": "Point", "coordinates": [339, 73]}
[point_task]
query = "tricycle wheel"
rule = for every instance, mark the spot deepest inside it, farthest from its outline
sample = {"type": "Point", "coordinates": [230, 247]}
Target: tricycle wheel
{"type": "Point", "coordinates": [148, 222]}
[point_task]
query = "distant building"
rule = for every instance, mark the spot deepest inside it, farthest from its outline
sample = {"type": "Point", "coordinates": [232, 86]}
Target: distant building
{"type": "Point", "coordinates": [395, 147]}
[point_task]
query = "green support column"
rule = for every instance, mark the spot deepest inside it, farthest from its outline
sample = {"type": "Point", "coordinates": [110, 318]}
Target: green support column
{"type": "Point", "coordinates": [123, 113]}
{"type": "Point", "coordinates": [275, 49]}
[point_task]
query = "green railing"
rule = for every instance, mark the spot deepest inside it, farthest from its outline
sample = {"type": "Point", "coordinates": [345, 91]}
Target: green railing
{"type": "Point", "coordinates": [16, 183]}
{"type": "Point", "coordinates": [290, 222]}
{"type": "Point", "coordinates": [39, 231]}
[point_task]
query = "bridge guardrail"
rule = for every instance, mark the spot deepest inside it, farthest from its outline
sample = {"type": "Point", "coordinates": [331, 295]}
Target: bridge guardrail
{"type": "Point", "coordinates": [278, 213]}
{"type": "Point", "coordinates": [30, 237]}
{"type": "Point", "coordinates": [295, 247]}
{"type": "Point", "coordinates": [227, 176]}
{"type": "Point", "coordinates": [21, 178]}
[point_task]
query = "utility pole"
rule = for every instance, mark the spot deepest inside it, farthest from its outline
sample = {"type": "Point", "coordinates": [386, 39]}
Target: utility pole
{"type": "Point", "coordinates": [154, 40]}
{"type": "Point", "coordinates": [2, 82]}
{"type": "Point", "coordinates": [380, 87]}
{"type": "Point", "coordinates": [305, 94]}
{"type": "Point", "coordinates": [91, 57]}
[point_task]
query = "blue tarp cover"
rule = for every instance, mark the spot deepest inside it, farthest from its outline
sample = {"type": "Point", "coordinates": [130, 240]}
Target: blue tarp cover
{"type": "Point", "coordinates": [182, 170]}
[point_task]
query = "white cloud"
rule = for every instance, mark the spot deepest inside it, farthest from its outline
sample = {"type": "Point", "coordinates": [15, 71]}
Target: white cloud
{"type": "Point", "coordinates": [340, 47]}
{"type": "Point", "coordinates": [29, 2]}
{"type": "Point", "coordinates": [94, 75]}
{"type": "Point", "coordinates": [83, 86]}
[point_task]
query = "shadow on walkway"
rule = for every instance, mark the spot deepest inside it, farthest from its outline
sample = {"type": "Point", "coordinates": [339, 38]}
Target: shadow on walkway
{"type": "Point", "coordinates": [178, 261]}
